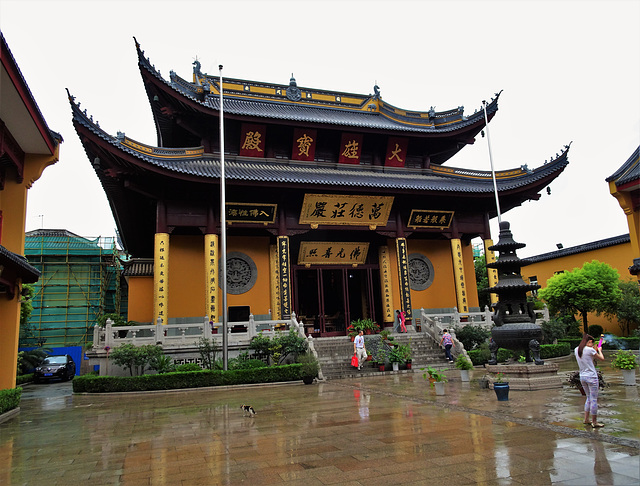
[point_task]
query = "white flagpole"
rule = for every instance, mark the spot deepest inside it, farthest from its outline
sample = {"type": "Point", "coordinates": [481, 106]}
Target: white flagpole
{"type": "Point", "coordinates": [493, 172]}
{"type": "Point", "coordinates": [223, 239]}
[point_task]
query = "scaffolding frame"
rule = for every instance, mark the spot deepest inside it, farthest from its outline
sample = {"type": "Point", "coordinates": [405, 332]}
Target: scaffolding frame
{"type": "Point", "coordinates": [81, 279]}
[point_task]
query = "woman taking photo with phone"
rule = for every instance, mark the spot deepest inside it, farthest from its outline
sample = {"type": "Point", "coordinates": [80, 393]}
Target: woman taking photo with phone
{"type": "Point", "coordinates": [586, 353]}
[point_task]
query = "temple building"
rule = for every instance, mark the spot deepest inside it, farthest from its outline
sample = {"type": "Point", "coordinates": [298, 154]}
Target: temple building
{"type": "Point", "coordinates": [27, 148]}
{"type": "Point", "coordinates": [339, 206]}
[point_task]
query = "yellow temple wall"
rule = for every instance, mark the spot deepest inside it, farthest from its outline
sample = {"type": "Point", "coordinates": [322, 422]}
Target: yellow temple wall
{"type": "Point", "coordinates": [258, 297]}
{"type": "Point", "coordinates": [470, 276]}
{"type": "Point", "coordinates": [618, 256]}
{"type": "Point", "coordinates": [140, 299]}
{"type": "Point", "coordinates": [186, 276]}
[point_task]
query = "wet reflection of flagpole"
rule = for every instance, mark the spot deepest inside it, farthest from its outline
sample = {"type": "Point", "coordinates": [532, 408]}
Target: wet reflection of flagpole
{"type": "Point", "coordinates": [223, 239]}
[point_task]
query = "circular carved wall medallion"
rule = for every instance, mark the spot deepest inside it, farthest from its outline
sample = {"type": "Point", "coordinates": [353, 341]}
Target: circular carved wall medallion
{"type": "Point", "coordinates": [242, 273]}
{"type": "Point", "coordinates": [421, 272]}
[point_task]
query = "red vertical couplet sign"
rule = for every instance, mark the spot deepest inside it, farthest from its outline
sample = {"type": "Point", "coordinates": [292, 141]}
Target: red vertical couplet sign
{"type": "Point", "coordinates": [252, 141]}
{"type": "Point", "coordinates": [304, 144]}
{"type": "Point", "coordinates": [396, 152]}
{"type": "Point", "coordinates": [350, 148]}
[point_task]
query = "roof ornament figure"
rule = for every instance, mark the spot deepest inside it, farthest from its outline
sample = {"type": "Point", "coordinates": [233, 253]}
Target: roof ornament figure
{"type": "Point", "coordinates": [376, 91]}
{"type": "Point", "coordinates": [196, 71]}
{"type": "Point", "coordinates": [432, 112]}
{"type": "Point", "coordinates": [293, 92]}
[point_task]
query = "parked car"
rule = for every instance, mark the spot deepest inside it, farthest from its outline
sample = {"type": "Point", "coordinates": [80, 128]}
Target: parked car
{"type": "Point", "coordinates": [62, 367]}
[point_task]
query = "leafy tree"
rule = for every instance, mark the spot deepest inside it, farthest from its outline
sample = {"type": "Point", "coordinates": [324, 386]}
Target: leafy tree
{"type": "Point", "coordinates": [135, 358]}
{"type": "Point", "coordinates": [628, 312]}
{"type": "Point", "coordinates": [208, 349]}
{"type": "Point", "coordinates": [482, 281]}
{"type": "Point", "coordinates": [471, 336]}
{"type": "Point", "coordinates": [592, 288]}
{"type": "Point", "coordinates": [27, 332]}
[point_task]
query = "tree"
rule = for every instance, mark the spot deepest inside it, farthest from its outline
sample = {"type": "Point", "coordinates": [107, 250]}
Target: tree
{"type": "Point", "coordinates": [592, 288]}
{"type": "Point", "coordinates": [628, 312]}
{"type": "Point", "coordinates": [482, 281]}
{"type": "Point", "coordinates": [27, 334]}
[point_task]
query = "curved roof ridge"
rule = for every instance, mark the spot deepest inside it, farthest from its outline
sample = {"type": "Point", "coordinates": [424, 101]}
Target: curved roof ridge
{"type": "Point", "coordinates": [630, 170]}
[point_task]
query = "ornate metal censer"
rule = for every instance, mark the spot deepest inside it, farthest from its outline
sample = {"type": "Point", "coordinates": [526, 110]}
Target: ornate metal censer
{"type": "Point", "coordinates": [514, 318]}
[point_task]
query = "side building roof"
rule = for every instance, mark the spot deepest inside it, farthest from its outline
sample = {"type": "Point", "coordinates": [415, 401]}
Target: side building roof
{"type": "Point", "coordinates": [574, 250]}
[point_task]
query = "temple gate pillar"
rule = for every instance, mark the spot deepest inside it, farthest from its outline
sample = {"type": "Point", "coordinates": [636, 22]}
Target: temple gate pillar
{"type": "Point", "coordinates": [211, 276]}
{"type": "Point", "coordinates": [403, 277]}
{"type": "Point", "coordinates": [161, 278]}
{"type": "Point", "coordinates": [458, 274]}
{"type": "Point", "coordinates": [284, 277]}
{"type": "Point", "coordinates": [385, 285]}
{"type": "Point", "coordinates": [492, 273]}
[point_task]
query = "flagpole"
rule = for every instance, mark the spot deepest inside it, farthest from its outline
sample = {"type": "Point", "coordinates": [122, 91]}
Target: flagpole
{"type": "Point", "coordinates": [223, 238]}
{"type": "Point", "coordinates": [493, 172]}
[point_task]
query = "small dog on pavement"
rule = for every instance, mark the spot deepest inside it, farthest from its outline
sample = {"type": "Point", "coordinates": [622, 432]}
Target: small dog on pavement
{"type": "Point", "coordinates": [247, 409]}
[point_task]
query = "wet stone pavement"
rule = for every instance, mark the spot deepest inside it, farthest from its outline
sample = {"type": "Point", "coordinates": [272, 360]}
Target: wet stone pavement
{"type": "Point", "coordinates": [376, 430]}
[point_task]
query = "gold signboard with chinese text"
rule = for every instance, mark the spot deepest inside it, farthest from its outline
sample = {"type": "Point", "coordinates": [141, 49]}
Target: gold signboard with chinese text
{"type": "Point", "coordinates": [285, 282]}
{"type": "Point", "coordinates": [211, 276]}
{"type": "Point", "coordinates": [332, 253]}
{"type": "Point", "coordinates": [403, 271]}
{"type": "Point", "coordinates": [161, 278]}
{"type": "Point", "coordinates": [251, 213]}
{"type": "Point", "coordinates": [385, 284]}
{"type": "Point", "coordinates": [425, 218]}
{"type": "Point", "coordinates": [333, 209]}
{"type": "Point", "coordinates": [458, 273]}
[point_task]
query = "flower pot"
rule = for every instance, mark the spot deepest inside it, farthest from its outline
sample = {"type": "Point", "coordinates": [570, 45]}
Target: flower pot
{"type": "Point", "coordinates": [582, 392]}
{"type": "Point", "coordinates": [408, 365]}
{"type": "Point", "coordinates": [381, 367]}
{"type": "Point", "coordinates": [502, 391]}
{"type": "Point", "coordinates": [396, 366]}
{"type": "Point", "coordinates": [629, 377]}
{"type": "Point", "coordinates": [464, 375]}
{"type": "Point", "coordinates": [369, 357]}
{"type": "Point", "coordinates": [307, 380]}
{"type": "Point", "coordinates": [439, 385]}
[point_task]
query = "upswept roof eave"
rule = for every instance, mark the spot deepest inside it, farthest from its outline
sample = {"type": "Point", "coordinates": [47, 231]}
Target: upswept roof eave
{"type": "Point", "coordinates": [629, 171]}
{"type": "Point", "coordinates": [50, 137]}
{"type": "Point", "coordinates": [207, 167]}
{"type": "Point", "coordinates": [211, 102]}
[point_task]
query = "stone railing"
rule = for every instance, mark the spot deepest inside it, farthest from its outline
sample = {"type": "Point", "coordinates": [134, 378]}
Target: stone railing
{"type": "Point", "coordinates": [433, 324]}
{"type": "Point", "coordinates": [188, 334]}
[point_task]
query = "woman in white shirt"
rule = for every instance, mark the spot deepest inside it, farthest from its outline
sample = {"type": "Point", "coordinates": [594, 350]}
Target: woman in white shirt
{"type": "Point", "coordinates": [586, 353]}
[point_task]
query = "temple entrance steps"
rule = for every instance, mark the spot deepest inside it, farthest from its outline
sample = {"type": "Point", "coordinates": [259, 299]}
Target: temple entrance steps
{"type": "Point", "coordinates": [334, 355]}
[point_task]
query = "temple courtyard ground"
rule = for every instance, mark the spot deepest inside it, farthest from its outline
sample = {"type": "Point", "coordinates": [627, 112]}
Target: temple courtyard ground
{"type": "Point", "coordinates": [377, 430]}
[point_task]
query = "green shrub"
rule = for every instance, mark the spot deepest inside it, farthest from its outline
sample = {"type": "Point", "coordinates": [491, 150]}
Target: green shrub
{"type": "Point", "coordinates": [471, 336]}
{"type": "Point", "coordinates": [162, 363]}
{"type": "Point", "coordinates": [479, 356]}
{"type": "Point", "coordinates": [554, 350]}
{"type": "Point", "coordinates": [193, 379]}
{"type": "Point", "coordinates": [248, 364]}
{"type": "Point", "coordinates": [20, 379]}
{"type": "Point", "coordinates": [506, 354]}
{"type": "Point", "coordinates": [552, 330]}
{"type": "Point", "coordinates": [595, 330]}
{"type": "Point", "coordinates": [10, 399]}
{"type": "Point", "coordinates": [185, 367]}
{"type": "Point", "coordinates": [135, 358]}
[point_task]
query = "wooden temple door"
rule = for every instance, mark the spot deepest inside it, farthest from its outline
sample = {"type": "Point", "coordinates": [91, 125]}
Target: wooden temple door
{"type": "Point", "coordinates": [326, 300]}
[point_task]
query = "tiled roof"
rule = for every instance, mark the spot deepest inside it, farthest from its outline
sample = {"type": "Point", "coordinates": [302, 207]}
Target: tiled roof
{"type": "Point", "coordinates": [268, 100]}
{"type": "Point", "coordinates": [138, 267]}
{"type": "Point", "coordinates": [629, 171]}
{"type": "Point", "coordinates": [206, 166]}
{"type": "Point", "coordinates": [594, 245]}
{"type": "Point", "coordinates": [26, 272]}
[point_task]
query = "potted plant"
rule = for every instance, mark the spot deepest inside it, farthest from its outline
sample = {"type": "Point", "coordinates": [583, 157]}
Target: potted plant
{"type": "Point", "coordinates": [309, 369]}
{"type": "Point", "coordinates": [436, 378]}
{"type": "Point", "coordinates": [501, 387]}
{"type": "Point", "coordinates": [627, 362]}
{"type": "Point", "coordinates": [352, 332]}
{"type": "Point", "coordinates": [380, 357]}
{"type": "Point", "coordinates": [396, 357]}
{"type": "Point", "coordinates": [464, 365]}
{"type": "Point", "coordinates": [573, 380]}
{"type": "Point", "coordinates": [384, 334]}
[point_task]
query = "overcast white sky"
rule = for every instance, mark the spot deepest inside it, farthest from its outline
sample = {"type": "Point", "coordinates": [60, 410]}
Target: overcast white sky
{"type": "Point", "coordinates": [570, 71]}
